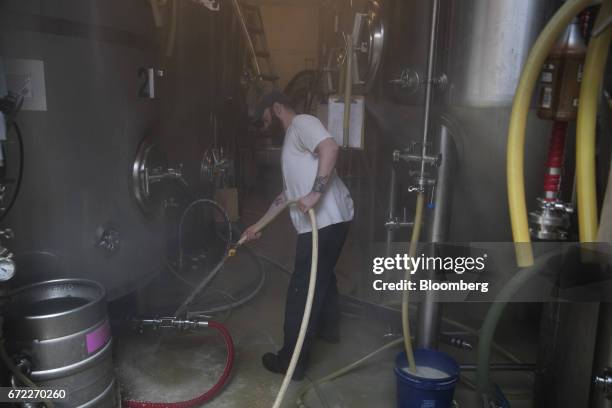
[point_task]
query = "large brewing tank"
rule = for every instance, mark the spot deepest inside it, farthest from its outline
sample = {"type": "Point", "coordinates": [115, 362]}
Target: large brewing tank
{"type": "Point", "coordinates": [76, 215]}
{"type": "Point", "coordinates": [59, 333]}
{"type": "Point", "coordinates": [482, 49]}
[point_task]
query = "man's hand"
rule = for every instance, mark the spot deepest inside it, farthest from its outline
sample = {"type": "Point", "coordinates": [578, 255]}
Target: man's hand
{"type": "Point", "coordinates": [308, 201]}
{"type": "Point", "coordinates": [249, 234]}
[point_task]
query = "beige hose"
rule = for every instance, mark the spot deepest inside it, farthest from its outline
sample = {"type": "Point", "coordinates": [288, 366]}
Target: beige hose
{"type": "Point", "coordinates": [261, 224]}
{"type": "Point", "coordinates": [344, 370]}
{"type": "Point", "coordinates": [414, 242]}
{"type": "Point", "coordinates": [267, 218]}
{"type": "Point", "coordinates": [305, 320]}
{"type": "Point", "coordinates": [157, 18]}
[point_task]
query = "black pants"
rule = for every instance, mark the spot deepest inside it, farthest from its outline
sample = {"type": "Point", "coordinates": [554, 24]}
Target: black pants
{"type": "Point", "coordinates": [325, 314]}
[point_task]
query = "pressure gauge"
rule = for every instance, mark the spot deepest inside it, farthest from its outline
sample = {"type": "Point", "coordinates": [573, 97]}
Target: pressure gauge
{"type": "Point", "coordinates": [7, 269]}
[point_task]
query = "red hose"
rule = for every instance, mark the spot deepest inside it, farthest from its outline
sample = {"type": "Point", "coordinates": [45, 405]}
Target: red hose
{"type": "Point", "coordinates": [554, 163]}
{"type": "Point", "coordinates": [208, 395]}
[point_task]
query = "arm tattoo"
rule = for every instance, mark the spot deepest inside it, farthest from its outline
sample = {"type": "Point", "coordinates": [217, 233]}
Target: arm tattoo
{"type": "Point", "coordinates": [319, 184]}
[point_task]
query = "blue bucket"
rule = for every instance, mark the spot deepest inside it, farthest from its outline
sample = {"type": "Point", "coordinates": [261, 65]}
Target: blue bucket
{"type": "Point", "coordinates": [420, 392]}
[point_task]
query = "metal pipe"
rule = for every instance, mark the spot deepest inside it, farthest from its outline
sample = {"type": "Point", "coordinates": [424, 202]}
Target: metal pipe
{"type": "Point", "coordinates": [247, 37]}
{"type": "Point", "coordinates": [433, 160]}
{"type": "Point", "coordinates": [392, 198]}
{"type": "Point", "coordinates": [428, 86]}
{"type": "Point", "coordinates": [429, 310]}
{"type": "Point", "coordinates": [501, 367]}
{"type": "Point", "coordinates": [348, 89]}
{"type": "Point", "coordinates": [443, 196]}
{"type": "Point", "coordinates": [428, 321]}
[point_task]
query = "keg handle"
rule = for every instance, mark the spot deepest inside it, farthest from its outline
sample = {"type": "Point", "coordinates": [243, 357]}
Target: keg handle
{"type": "Point", "coordinates": [24, 365]}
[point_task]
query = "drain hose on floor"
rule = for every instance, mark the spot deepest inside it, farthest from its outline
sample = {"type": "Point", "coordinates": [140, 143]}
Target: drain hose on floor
{"type": "Point", "coordinates": [208, 395]}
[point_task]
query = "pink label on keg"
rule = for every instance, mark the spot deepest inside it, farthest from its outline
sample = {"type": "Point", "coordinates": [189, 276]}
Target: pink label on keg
{"type": "Point", "coordinates": [98, 338]}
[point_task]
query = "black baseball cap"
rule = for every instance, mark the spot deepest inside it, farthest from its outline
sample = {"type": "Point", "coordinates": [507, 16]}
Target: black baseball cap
{"type": "Point", "coordinates": [270, 99]}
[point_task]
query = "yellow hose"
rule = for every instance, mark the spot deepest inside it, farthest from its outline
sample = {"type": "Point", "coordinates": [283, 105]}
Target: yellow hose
{"type": "Point", "coordinates": [518, 121]}
{"type": "Point", "coordinates": [414, 242]}
{"type": "Point", "coordinates": [597, 55]}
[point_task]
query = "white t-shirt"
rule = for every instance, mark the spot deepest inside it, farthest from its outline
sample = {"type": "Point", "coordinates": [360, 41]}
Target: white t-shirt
{"type": "Point", "coordinates": [300, 164]}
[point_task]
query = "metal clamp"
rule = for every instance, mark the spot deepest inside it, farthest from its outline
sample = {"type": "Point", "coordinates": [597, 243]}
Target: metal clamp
{"type": "Point", "coordinates": [108, 239]}
{"type": "Point", "coordinates": [160, 174]}
{"type": "Point", "coordinates": [394, 223]}
{"type": "Point", "coordinates": [603, 382]}
{"type": "Point", "coordinates": [435, 161]}
{"type": "Point", "coordinates": [412, 81]}
{"type": "Point", "coordinates": [551, 220]}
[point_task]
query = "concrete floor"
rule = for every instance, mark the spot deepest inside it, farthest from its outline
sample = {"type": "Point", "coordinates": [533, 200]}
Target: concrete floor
{"type": "Point", "coordinates": [168, 366]}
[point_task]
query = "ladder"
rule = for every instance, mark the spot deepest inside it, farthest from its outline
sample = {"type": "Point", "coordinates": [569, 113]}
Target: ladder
{"type": "Point", "coordinates": [251, 23]}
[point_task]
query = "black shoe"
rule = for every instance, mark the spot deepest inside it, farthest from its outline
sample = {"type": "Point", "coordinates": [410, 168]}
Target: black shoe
{"type": "Point", "coordinates": [273, 363]}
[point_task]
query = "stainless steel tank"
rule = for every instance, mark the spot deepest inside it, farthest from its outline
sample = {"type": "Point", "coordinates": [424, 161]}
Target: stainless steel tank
{"type": "Point", "coordinates": [59, 331]}
{"type": "Point", "coordinates": [76, 201]}
{"type": "Point", "coordinates": [480, 50]}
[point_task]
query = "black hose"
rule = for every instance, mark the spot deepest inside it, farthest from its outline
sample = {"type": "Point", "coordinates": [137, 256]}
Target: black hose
{"type": "Point", "coordinates": [19, 175]}
{"type": "Point", "coordinates": [239, 301]}
{"type": "Point", "coordinates": [208, 278]}
{"type": "Point", "coordinates": [236, 301]}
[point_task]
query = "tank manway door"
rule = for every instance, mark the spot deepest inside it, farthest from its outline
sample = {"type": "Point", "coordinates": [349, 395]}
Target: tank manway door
{"type": "Point", "coordinates": [149, 171]}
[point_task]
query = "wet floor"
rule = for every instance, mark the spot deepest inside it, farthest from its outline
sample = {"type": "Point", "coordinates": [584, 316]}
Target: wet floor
{"type": "Point", "coordinates": [169, 366]}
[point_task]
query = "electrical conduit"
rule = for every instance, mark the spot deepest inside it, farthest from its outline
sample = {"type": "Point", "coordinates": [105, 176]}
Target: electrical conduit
{"type": "Point", "coordinates": [518, 120]}
{"type": "Point", "coordinates": [596, 58]}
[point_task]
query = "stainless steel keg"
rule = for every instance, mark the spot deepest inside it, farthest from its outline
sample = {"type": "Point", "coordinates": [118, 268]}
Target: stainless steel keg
{"type": "Point", "coordinates": [59, 331]}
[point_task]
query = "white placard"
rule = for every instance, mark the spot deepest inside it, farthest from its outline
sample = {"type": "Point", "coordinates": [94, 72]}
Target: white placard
{"type": "Point", "coordinates": [27, 77]}
{"type": "Point", "coordinates": [335, 120]}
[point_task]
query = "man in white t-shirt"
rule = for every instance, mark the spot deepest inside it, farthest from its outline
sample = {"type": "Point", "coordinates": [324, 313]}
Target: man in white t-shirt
{"type": "Point", "coordinates": [308, 164]}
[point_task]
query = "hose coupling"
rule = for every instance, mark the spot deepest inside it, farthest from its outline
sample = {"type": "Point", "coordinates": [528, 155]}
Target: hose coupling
{"type": "Point", "coordinates": [396, 155]}
{"type": "Point", "coordinates": [456, 341]}
{"type": "Point", "coordinates": [551, 220]}
{"type": "Point", "coordinates": [169, 323]}
{"type": "Point", "coordinates": [394, 223]}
